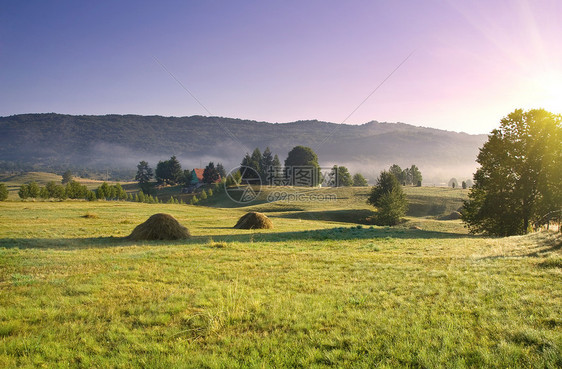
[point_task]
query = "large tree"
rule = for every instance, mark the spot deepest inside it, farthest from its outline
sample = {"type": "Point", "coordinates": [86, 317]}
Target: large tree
{"type": "Point", "coordinates": [302, 167]}
{"type": "Point", "coordinates": [169, 171]}
{"type": "Point", "coordinates": [210, 174]}
{"type": "Point", "coordinates": [389, 199]}
{"type": "Point", "coordinates": [519, 181]}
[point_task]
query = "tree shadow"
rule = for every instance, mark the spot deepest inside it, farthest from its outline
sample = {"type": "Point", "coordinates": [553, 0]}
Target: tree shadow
{"type": "Point", "coordinates": [355, 216]}
{"type": "Point", "coordinates": [331, 234]}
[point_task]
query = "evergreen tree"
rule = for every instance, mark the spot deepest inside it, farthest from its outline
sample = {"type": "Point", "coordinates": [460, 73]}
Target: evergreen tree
{"type": "Point", "coordinates": [144, 175]}
{"type": "Point", "coordinates": [389, 199]}
{"type": "Point", "coordinates": [359, 180]}
{"type": "Point", "coordinates": [120, 193]}
{"type": "Point", "coordinates": [210, 174]}
{"type": "Point", "coordinates": [220, 169]}
{"type": "Point", "coordinates": [176, 172]}
{"type": "Point", "coordinates": [398, 173]}
{"type": "Point", "coordinates": [203, 195]}
{"type": "Point", "coordinates": [453, 183]}
{"type": "Point", "coordinates": [266, 165]}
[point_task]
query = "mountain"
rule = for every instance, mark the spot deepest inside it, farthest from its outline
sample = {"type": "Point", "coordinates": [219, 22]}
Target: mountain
{"type": "Point", "coordinates": [43, 141]}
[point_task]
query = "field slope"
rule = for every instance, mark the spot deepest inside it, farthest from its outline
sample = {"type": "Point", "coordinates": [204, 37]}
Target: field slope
{"type": "Point", "coordinates": [309, 293]}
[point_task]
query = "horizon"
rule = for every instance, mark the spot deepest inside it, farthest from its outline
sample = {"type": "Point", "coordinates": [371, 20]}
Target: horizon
{"type": "Point", "coordinates": [448, 66]}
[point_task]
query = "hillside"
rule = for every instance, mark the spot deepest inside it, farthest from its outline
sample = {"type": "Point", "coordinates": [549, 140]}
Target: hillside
{"type": "Point", "coordinates": [46, 141]}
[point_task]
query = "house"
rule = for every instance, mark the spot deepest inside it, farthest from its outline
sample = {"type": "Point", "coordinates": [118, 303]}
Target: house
{"type": "Point", "coordinates": [196, 180]}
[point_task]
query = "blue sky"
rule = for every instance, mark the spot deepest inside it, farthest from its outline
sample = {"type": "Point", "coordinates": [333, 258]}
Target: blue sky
{"type": "Point", "coordinates": [284, 61]}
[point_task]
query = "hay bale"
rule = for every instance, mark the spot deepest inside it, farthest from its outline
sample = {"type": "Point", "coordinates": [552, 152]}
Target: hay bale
{"type": "Point", "coordinates": [254, 220]}
{"type": "Point", "coordinates": [454, 216]}
{"type": "Point", "coordinates": [159, 227]}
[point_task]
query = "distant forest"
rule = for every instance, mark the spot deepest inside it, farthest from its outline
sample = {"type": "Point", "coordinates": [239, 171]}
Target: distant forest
{"type": "Point", "coordinates": [110, 145]}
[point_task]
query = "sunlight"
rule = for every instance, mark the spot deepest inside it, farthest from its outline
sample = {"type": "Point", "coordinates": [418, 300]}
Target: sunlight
{"type": "Point", "coordinates": [545, 91]}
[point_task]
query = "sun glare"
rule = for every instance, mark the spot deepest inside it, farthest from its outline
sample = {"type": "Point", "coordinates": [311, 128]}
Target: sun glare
{"type": "Point", "coordinates": [545, 91]}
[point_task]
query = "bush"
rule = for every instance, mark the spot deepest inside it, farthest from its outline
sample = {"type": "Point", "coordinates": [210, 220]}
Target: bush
{"type": "Point", "coordinates": [3, 192]}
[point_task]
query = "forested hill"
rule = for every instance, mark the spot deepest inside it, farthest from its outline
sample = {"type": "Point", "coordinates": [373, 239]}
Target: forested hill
{"type": "Point", "coordinates": [121, 141]}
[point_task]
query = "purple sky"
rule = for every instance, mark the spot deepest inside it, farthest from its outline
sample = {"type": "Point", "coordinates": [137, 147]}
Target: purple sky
{"type": "Point", "coordinates": [473, 62]}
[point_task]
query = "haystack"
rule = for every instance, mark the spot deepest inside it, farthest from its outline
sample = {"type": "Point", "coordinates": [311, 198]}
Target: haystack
{"type": "Point", "coordinates": [254, 220]}
{"type": "Point", "coordinates": [454, 216]}
{"type": "Point", "coordinates": [159, 227]}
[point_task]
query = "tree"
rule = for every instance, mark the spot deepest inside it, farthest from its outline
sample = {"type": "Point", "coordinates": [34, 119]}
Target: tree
{"type": "Point", "coordinates": [59, 192]}
{"type": "Point", "coordinates": [266, 165]}
{"type": "Point", "coordinates": [34, 190]}
{"type": "Point", "coordinates": [453, 183]}
{"type": "Point", "coordinates": [103, 191]}
{"type": "Point", "coordinates": [3, 192]}
{"type": "Point", "coordinates": [210, 174]}
{"type": "Point", "coordinates": [389, 199]}
{"type": "Point", "coordinates": [469, 183]}
{"type": "Point", "coordinates": [144, 175]}
{"type": "Point", "coordinates": [398, 173]}
{"type": "Point", "coordinates": [301, 166]}
{"type": "Point", "coordinates": [66, 177]}
{"type": "Point", "coordinates": [463, 184]}
{"type": "Point", "coordinates": [175, 170]}
{"type": "Point", "coordinates": [23, 192]}
{"type": "Point", "coordinates": [50, 189]}
{"type": "Point", "coordinates": [342, 175]}
{"type": "Point", "coordinates": [169, 171]}
{"type": "Point", "coordinates": [520, 175]}
{"type": "Point", "coordinates": [120, 193]}
{"type": "Point", "coordinates": [359, 180]}
{"type": "Point", "coordinates": [415, 175]}
{"type": "Point", "coordinates": [220, 169]}
{"type": "Point", "coordinates": [75, 190]}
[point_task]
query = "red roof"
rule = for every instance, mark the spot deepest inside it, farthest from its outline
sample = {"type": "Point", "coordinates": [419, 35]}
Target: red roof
{"type": "Point", "coordinates": [199, 173]}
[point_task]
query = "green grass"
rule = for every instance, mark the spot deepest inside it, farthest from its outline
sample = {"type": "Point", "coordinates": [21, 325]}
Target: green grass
{"type": "Point", "coordinates": [309, 293]}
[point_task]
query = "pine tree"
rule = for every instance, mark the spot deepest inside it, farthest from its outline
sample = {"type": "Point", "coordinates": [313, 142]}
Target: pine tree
{"type": "Point", "coordinates": [389, 199]}
{"type": "Point", "coordinates": [144, 175]}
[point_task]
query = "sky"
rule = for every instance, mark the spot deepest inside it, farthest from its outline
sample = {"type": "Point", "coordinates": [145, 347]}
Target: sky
{"type": "Point", "coordinates": [454, 65]}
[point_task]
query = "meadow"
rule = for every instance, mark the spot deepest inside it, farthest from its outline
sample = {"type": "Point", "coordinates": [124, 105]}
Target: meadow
{"type": "Point", "coordinates": [323, 288]}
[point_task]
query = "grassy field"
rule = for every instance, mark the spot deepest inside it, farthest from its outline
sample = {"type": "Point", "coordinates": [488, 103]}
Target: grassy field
{"type": "Point", "coordinates": [316, 291]}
